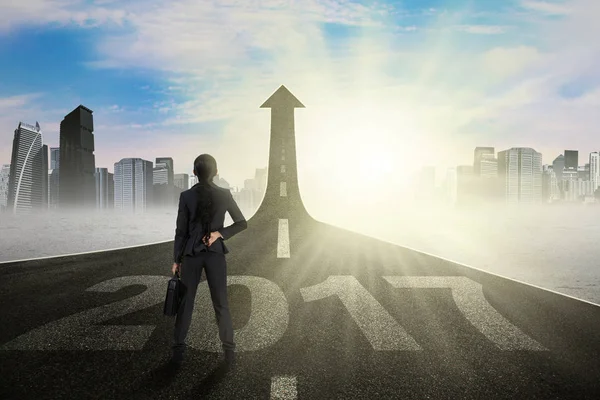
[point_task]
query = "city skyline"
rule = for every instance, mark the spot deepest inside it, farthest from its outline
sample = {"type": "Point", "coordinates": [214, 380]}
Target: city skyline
{"type": "Point", "coordinates": [427, 81]}
{"type": "Point", "coordinates": [515, 175]}
{"type": "Point", "coordinates": [67, 178]}
{"type": "Point", "coordinates": [440, 169]}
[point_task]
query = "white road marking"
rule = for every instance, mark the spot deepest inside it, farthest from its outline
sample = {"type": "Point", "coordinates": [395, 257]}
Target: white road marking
{"type": "Point", "coordinates": [283, 239]}
{"type": "Point", "coordinates": [84, 331]}
{"type": "Point", "coordinates": [378, 326]}
{"type": "Point", "coordinates": [283, 388]}
{"type": "Point", "coordinates": [283, 189]}
{"type": "Point", "coordinates": [283, 169]}
{"type": "Point", "coordinates": [282, 158]}
{"type": "Point", "coordinates": [469, 298]}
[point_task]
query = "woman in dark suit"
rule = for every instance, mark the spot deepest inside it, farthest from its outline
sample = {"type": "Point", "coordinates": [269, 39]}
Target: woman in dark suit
{"type": "Point", "coordinates": [199, 245]}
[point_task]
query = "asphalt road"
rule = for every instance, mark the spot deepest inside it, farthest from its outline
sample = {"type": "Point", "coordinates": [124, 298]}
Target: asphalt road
{"type": "Point", "coordinates": [319, 313]}
{"type": "Point", "coordinates": [334, 315]}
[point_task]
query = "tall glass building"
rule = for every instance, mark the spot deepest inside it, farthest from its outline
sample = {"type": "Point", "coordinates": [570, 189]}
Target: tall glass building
{"type": "Point", "coordinates": [28, 177]}
{"type": "Point", "coordinates": [133, 184]}
{"type": "Point", "coordinates": [520, 171]}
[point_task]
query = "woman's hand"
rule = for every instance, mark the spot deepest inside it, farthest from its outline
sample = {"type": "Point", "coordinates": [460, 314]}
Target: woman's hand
{"type": "Point", "coordinates": [213, 236]}
{"type": "Point", "coordinates": [175, 267]}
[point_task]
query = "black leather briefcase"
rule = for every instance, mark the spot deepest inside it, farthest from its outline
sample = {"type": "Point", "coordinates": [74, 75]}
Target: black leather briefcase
{"type": "Point", "coordinates": [175, 292]}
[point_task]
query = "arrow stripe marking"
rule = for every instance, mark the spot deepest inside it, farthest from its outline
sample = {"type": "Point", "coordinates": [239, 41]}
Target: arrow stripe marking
{"type": "Point", "coordinates": [283, 239]}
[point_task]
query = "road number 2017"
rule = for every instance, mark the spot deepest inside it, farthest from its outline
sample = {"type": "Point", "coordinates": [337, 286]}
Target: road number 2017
{"type": "Point", "coordinates": [269, 316]}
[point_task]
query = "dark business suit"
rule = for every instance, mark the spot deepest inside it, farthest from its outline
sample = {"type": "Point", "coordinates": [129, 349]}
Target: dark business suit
{"type": "Point", "coordinates": [194, 255]}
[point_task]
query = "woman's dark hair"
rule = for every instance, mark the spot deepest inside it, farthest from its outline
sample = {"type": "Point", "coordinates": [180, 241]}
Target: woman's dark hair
{"type": "Point", "coordinates": [205, 168]}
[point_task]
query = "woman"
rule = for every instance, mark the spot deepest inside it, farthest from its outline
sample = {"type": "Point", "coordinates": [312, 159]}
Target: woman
{"type": "Point", "coordinates": [199, 245]}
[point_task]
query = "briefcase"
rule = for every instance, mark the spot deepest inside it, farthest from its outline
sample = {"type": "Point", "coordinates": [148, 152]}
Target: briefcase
{"type": "Point", "coordinates": [175, 292]}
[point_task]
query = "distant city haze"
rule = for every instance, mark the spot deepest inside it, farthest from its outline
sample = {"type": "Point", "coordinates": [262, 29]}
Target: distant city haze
{"type": "Point", "coordinates": [552, 247]}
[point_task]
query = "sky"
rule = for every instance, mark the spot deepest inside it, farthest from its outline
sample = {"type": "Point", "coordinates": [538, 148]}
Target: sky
{"type": "Point", "coordinates": [388, 86]}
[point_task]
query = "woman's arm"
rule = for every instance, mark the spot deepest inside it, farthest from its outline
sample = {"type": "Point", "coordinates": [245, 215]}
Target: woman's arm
{"type": "Point", "coordinates": [181, 230]}
{"type": "Point", "coordinates": [239, 222]}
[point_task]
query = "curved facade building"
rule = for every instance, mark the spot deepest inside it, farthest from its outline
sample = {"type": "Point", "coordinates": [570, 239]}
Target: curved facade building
{"type": "Point", "coordinates": [28, 181]}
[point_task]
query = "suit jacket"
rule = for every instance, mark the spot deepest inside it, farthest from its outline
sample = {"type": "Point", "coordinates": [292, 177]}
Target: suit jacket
{"type": "Point", "coordinates": [188, 233]}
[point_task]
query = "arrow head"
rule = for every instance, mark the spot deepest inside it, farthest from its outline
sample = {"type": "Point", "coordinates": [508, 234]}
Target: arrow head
{"type": "Point", "coordinates": [282, 98]}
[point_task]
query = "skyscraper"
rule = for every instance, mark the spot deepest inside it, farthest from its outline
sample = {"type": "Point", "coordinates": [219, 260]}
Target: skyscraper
{"type": "Point", "coordinates": [169, 190]}
{"type": "Point", "coordinates": [193, 180]}
{"type": "Point", "coordinates": [260, 175]}
{"type": "Point", "coordinates": [28, 180]}
{"type": "Point", "coordinates": [104, 188]}
{"type": "Point", "coordinates": [221, 182]}
{"type": "Point", "coordinates": [488, 166]}
{"type": "Point", "coordinates": [53, 177]}
{"type": "Point", "coordinates": [46, 181]}
{"type": "Point", "coordinates": [4, 177]}
{"type": "Point", "coordinates": [77, 184]}
{"type": "Point", "coordinates": [487, 180]}
{"type": "Point", "coordinates": [571, 159]}
{"type": "Point", "coordinates": [558, 166]}
{"type": "Point", "coordinates": [569, 184]}
{"type": "Point", "coordinates": [160, 182]}
{"type": "Point", "coordinates": [595, 170]}
{"type": "Point", "coordinates": [550, 192]}
{"type": "Point", "coordinates": [182, 181]}
{"type": "Point", "coordinates": [478, 155]}
{"type": "Point", "coordinates": [520, 171]}
{"type": "Point", "coordinates": [54, 157]}
{"type": "Point", "coordinates": [168, 163]}
{"type": "Point", "coordinates": [133, 184]}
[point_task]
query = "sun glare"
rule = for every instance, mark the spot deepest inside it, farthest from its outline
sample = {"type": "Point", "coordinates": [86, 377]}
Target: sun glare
{"type": "Point", "coordinates": [363, 146]}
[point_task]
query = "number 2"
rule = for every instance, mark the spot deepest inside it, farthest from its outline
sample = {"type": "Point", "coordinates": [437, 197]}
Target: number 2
{"type": "Point", "coordinates": [78, 332]}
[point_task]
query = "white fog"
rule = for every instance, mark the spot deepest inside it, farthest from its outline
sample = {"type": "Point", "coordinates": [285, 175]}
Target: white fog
{"type": "Point", "coordinates": [555, 247]}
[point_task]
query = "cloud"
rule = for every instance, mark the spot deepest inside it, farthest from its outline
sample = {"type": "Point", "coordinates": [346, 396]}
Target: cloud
{"type": "Point", "coordinates": [546, 7]}
{"type": "Point", "coordinates": [482, 29]}
{"type": "Point", "coordinates": [219, 60]}
{"type": "Point", "coordinates": [17, 14]}
{"type": "Point", "coordinates": [9, 104]}
{"type": "Point", "coordinates": [504, 62]}
{"type": "Point", "coordinates": [25, 108]}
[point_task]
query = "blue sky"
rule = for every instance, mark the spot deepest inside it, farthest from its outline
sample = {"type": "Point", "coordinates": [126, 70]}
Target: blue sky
{"type": "Point", "coordinates": [423, 81]}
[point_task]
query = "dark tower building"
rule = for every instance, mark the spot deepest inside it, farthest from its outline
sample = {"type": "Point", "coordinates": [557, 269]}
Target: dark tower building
{"type": "Point", "coordinates": [77, 184]}
{"type": "Point", "coordinates": [571, 159]}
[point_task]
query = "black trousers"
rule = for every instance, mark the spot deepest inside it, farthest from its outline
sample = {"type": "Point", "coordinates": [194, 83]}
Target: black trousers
{"type": "Point", "coordinates": [215, 267]}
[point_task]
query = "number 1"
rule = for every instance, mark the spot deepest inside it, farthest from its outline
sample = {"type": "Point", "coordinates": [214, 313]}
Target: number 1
{"type": "Point", "coordinates": [380, 328]}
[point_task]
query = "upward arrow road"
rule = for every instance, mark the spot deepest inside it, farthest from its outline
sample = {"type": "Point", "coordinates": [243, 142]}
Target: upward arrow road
{"type": "Point", "coordinates": [282, 196]}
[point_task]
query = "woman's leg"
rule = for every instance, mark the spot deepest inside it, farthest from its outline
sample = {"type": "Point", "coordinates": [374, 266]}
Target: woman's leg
{"type": "Point", "coordinates": [216, 276]}
{"type": "Point", "coordinates": [190, 271]}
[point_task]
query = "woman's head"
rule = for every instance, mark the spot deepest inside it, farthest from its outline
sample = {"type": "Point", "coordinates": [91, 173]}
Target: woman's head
{"type": "Point", "coordinates": [205, 167]}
